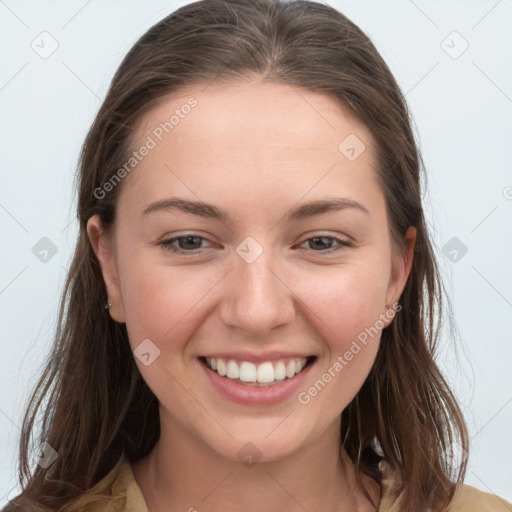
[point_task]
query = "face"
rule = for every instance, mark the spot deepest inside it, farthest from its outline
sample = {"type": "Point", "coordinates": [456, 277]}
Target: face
{"type": "Point", "coordinates": [257, 278]}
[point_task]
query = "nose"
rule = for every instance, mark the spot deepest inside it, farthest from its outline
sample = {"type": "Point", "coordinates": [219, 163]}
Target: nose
{"type": "Point", "coordinates": [257, 297]}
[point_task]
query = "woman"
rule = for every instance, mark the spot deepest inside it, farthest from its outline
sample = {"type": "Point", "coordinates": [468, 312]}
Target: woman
{"type": "Point", "coordinates": [284, 359]}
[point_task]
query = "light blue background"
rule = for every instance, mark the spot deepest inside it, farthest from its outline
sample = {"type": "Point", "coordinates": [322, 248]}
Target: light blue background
{"type": "Point", "coordinates": [462, 109]}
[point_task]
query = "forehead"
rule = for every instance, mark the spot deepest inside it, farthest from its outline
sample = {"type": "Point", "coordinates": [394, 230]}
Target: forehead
{"type": "Point", "coordinates": [252, 136]}
{"type": "Point", "coordinates": [253, 114]}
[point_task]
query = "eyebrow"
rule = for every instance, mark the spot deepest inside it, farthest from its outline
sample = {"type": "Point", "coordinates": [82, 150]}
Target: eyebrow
{"type": "Point", "coordinates": [206, 210]}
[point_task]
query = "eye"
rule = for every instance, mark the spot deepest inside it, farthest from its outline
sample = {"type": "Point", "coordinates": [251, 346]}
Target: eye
{"type": "Point", "coordinates": [191, 244]}
{"type": "Point", "coordinates": [185, 243]}
{"type": "Point", "coordinates": [322, 241]}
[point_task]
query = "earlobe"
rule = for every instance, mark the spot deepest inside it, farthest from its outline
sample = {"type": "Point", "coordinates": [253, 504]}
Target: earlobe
{"type": "Point", "coordinates": [408, 254]}
{"type": "Point", "coordinates": [402, 266]}
{"type": "Point", "coordinates": [105, 253]}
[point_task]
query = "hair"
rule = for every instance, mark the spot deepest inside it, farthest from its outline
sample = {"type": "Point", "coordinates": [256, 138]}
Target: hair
{"type": "Point", "coordinates": [97, 408]}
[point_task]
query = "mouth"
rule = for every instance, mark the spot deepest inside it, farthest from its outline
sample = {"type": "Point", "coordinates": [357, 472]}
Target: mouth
{"type": "Point", "coordinates": [263, 374]}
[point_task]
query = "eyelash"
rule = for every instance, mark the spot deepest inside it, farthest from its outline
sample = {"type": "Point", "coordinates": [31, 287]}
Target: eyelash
{"type": "Point", "coordinates": [167, 244]}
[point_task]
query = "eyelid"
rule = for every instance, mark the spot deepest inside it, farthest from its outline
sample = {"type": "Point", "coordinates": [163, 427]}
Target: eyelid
{"type": "Point", "coordinates": [337, 236]}
{"type": "Point", "coordinates": [166, 243]}
{"type": "Point", "coordinates": [341, 243]}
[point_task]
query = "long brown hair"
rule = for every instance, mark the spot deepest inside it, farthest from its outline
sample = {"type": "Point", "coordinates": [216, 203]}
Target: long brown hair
{"type": "Point", "coordinates": [97, 408]}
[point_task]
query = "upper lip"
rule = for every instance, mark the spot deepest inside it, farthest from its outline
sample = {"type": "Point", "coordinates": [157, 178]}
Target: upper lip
{"type": "Point", "coordinates": [256, 358]}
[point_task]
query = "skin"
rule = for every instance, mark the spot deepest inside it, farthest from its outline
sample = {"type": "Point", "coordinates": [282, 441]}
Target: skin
{"type": "Point", "coordinates": [255, 150]}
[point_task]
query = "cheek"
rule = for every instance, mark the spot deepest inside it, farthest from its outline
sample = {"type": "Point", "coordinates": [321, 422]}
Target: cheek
{"type": "Point", "coordinates": [344, 300]}
{"type": "Point", "coordinates": [165, 305]}
{"type": "Point", "coordinates": [162, 303]}
{"type": "Point", "coordinates": [345, 307]}
{"type": "Point", "coordinates": [168, 304]}
{"type": "Point", "coordinates": [165, 302]}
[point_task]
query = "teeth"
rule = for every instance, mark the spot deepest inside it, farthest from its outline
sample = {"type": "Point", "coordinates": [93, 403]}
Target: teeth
{"type": "Point", "coordinates": [221, 367]}
{"type": "Point", "coordinates": [280, 371]}
{"type": "Point", "coordinates": [232, 370]}
{"type": "Point", "coordinates": [247, 371]}
{"type": "Point", "coordinates": [266, 372]}
{"type": "Point", "coordinates": [290, 369]}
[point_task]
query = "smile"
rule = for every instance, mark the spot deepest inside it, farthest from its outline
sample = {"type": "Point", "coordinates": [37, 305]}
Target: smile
{"type": "Point", "coordinates": [264, 373]}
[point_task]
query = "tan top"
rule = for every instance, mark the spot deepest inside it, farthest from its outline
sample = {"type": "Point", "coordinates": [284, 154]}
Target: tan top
{"type": "Point", "coordinates": [119, 492]}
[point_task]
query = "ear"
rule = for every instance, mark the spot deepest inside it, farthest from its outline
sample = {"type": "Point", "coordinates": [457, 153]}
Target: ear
{"type": "Point", "coordinates": [401, 268]}
{"type": "Point", "coordinates": [104, 250]}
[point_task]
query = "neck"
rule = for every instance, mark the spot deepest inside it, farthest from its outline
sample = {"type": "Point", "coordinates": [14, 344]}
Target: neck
{"type": "Point", "coordinates": [182, 474]}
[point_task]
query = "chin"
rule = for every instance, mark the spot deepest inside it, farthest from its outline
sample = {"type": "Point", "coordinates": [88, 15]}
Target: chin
{"type": "Point", "coordinates": [259, 445]}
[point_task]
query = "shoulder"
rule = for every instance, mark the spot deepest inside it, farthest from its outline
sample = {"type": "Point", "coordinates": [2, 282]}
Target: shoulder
{"type": "Point", "coordinates": [116, 492]}
{"type": "Point", "coordinates": [468, 499]}
{"type": "Point", "coordinates": [465, 499]}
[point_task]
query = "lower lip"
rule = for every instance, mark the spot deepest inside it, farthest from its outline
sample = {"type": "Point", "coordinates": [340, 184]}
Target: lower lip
{"type": "Point", "coordinates": [255, 395]}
